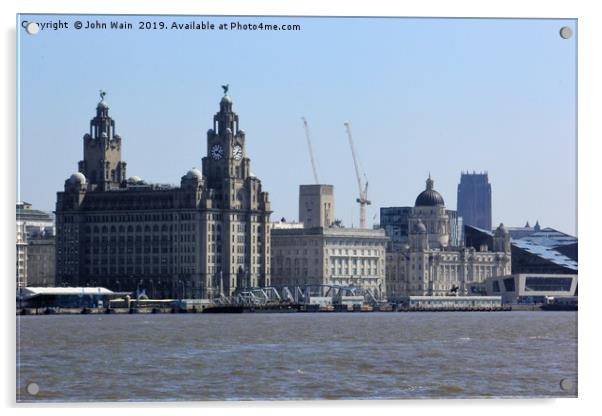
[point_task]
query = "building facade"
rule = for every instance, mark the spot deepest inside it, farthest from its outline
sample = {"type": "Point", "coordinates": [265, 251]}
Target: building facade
{"type": "Point", "coordinates": [35, 246]}
{"type": "Point", "coordinates": [395, 221]}
{"type": "Point", "coordinates": [208, 236]}
{"type": "Point", "coordinates": [316, 205]}
{"type": "Point", "coordinates": [546, 251]}
{"type": "Point", "coordinates": [21, 256]}
{"type": "Point", "coordinates": [531, 287]}
{"type": "Point", "coordinates": [317, 252]}
{"type": "Point", "coordinates": [41, 262]}
{"type": "Point", "coordinates": [429, 265]}
{"type": "Point", "coordinates": [329, 256]}
{"type": "Point", "coordinates": [474, 199]}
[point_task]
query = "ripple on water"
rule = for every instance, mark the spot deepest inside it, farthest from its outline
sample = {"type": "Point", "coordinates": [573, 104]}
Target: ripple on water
{"type": "Point", "coordinates": [296, 356]}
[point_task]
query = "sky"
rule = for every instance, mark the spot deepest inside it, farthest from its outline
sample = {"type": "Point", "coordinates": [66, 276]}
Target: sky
{"type": "Point", "coordinates": [437, 96]}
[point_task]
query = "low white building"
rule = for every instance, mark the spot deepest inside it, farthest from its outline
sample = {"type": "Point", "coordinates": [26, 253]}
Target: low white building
{"type": "Point", "coordinates": [531, 287]}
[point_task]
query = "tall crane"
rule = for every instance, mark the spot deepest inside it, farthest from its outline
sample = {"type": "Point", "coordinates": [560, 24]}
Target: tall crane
{"type": "Point", "coordinates": [363, 189]}
{"type": "Point", "coordinates": [311, 150]}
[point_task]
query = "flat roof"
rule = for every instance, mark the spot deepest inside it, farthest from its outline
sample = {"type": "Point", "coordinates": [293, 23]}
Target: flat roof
{"type": "Point", "coordinates": [30, 292]}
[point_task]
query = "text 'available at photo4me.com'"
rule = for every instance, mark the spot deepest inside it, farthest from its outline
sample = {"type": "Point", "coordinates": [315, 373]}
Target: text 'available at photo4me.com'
{"type": "Point", "coordinates": [217, 24]}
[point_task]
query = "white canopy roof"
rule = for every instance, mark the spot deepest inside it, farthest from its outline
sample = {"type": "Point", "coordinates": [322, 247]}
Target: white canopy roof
{"type": "Point", "coordinates": [30, 292]}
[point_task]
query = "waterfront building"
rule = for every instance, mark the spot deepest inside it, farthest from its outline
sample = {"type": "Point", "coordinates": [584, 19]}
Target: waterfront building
{"type": "Point", "coordinates": [429, 264]}
{"type": "Point", "coordinates": [547, 251]}
{"type": "Point", "coordinates": [34, 264]}
{"type": "Point", "coordinates": [531, 287]}
{"type": "Point", "coordinates": [63, 297]}
{"type": "Point", "coordinates": [474, 199]}
{"type": "Point", "coordinates": [434, 303]}
{"type": "Point", "coordinates": [328, 254]}
{"type": "Point", "coordinates": [41, 262]}
{"type": "Point", "coordinates": [208, 236]}
{"type": "Point", "coordinates": [21, 257]}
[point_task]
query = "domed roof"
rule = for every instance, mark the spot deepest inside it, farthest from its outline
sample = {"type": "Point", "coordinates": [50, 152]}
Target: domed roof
{"type": "Point", "coordinates": [194, 173]}
{"type": "Point", "coordinates": [78, 177]}
{"type": "Point", "coordinates": [429, 197]}
{"type": "Point", "coordinates": [134, 179]}
{"type": "Point", "coordinates": [226, 100]}
{"type": "Point", "coordinates": [420, 228]}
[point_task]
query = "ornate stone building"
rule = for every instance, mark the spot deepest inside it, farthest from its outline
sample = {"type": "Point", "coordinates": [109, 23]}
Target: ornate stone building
{"type": "Point", "coordinates": [429, 265]}
{"type": "Point", "coordinates": [211, 234]}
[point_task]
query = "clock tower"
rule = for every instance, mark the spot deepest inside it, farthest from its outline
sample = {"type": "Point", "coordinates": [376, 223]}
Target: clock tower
{"type": "Point", "coordinates": [226, 157]}
{"type": "Point", "coordinates": [236, 205]}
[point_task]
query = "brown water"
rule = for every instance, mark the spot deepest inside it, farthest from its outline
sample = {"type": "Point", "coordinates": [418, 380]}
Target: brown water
{"type": "Point", "coordinates": [296, 356]}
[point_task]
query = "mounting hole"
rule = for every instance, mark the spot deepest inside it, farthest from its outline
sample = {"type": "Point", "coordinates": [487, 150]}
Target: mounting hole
{"type": "Point", "coordinates": [566, 32]}
{"type": "Point", "coordinates": [32, 28]}
{"type": "Point", "coordinates": [566, 384]}
{"type": "Point", "coordinates": [33, 389]}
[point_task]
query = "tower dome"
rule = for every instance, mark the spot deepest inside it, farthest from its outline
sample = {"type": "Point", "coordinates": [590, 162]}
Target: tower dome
{"type": "Point", "coordinates": [77, 178]}
{"type": "Point", "coordinates": [226, 100]}
{"type": "Point", "coordinates": [194, 173]}
{"type": "Point", "coordinates": [429, 197]}
{"type": "Point", "coordinates": [102, 105]}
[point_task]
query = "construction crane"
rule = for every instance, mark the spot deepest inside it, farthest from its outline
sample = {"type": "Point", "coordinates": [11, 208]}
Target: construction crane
{"type": "Point", "coordinates": [311, 150]}
{"type": "Point", "coordinates": [363, 189]}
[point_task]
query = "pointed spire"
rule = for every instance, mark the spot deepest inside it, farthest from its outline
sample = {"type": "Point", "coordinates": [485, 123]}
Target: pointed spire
{"type": "Point", "coordinates": [429, 182]}
{"type": "Point", "coordinates": [527, 225]}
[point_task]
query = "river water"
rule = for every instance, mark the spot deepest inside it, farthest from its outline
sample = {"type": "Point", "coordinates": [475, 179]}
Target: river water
{"type": "Point", "coordinates": [296, 356]}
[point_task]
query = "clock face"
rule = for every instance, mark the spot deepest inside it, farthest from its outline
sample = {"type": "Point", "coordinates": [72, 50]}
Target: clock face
{"type": "Point", "coordinates": [217, 152]}
{"type": "Point", "coordinates": [237, 152]}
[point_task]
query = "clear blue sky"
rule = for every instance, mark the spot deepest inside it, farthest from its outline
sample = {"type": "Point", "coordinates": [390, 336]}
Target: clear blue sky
{"type": "Point", "coordinates": [422, 95]}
